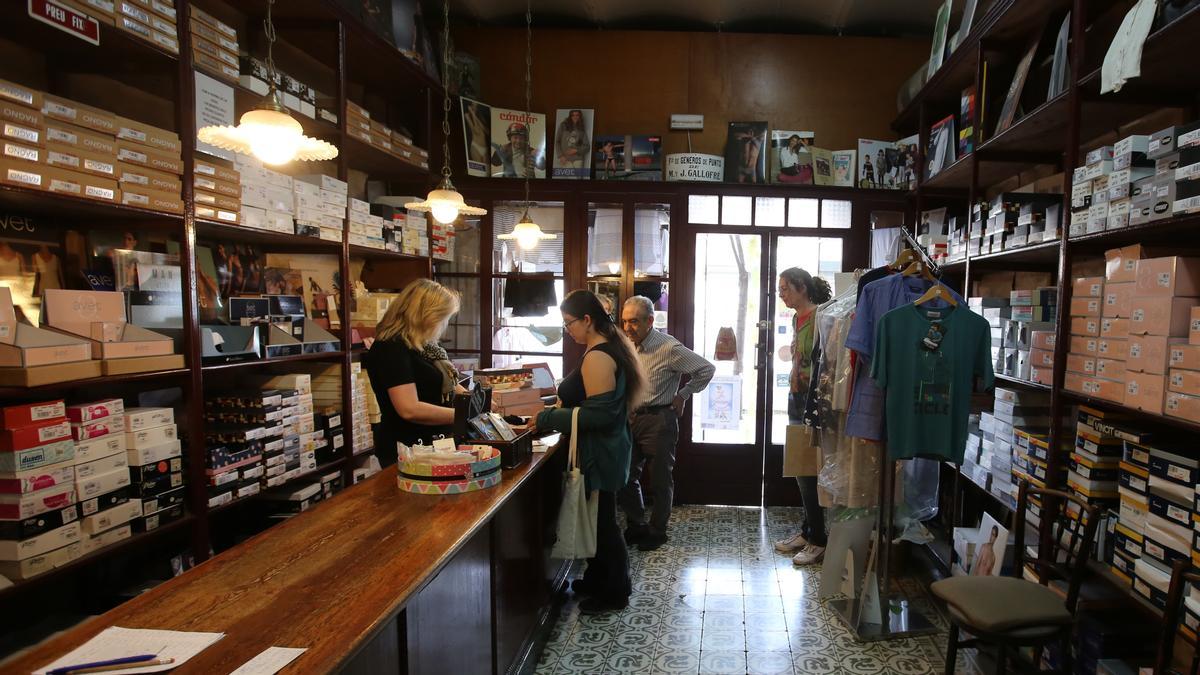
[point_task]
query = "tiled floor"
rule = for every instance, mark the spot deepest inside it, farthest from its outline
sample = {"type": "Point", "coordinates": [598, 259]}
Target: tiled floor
{"type": "Point", "coordinates": [718, 599]}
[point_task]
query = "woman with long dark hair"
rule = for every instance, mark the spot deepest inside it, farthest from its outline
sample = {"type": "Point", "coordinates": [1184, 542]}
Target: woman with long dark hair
{"type": "Point", "coordinates": [802, 292]}
{"type": "Point", "coordinates": [605, 388]}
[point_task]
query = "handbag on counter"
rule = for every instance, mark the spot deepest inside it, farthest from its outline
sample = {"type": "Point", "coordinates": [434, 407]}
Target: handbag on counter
{"type": "Point", "coordinates": [576, 531]}
{"type": "Point", "coordinates": [801, 453]}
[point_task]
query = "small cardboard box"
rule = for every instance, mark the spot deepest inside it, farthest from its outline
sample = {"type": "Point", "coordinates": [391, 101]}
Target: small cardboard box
{"type": "Point", "coordinates": [149, 179]}
{"type": "Point", "coordinates": [133, 195]}
{"type": "Point", "coordinates": [148, 438]}
{"type": "Point", "coordinates": [16, 93]}
{"type": "Point", "coordinates": [1173, 276]}
{"type": "Point", "coordinates": [22, 174]}
{"type": "Point", "coordinates": [1120, 264]}
{"type": "Point", "coordinates": [219, 202]}
{"type": "Point", "coordinates": [100, 317]}
{"type": "Point", "coordinates": [19, 507]}
{"type": "Point", "coordinates": [86, 431]}
{"type": "Point", "coordinates": [211, 169]}
{"type": "Point", "coordinates": [1086, 306]}
{"type": "Point", "coordinates": [1150, 353]}
{"type": "Point", "coordinates": [160, 140]}
{"type": "Point", "coordinates": [1114, 328]}
{"type": "Point", "coordinates": [141, 364]}
{"type": "Point", "coordinates": [55, 107]}
{"type": "Point", "coordinates": [217, 186]}
{"type": "Point", "coordinates": [1183, 406]}
{"type": "Point", "coordinates": [137, 419]}
{"type": "Point", "coordinates": [16, 416]}
{"type": "Point", "coordinates": [103, 446]}
{"type": "Point", "coordinates": [1145, 392]}
{"type": "Point", "coordinates": [16, 551]}
{"type": "Point", "coordinates": [143, 156]}
{"type": "Point", "coordinates": [79, 184]}
{"type": "Point", "coordinates": [1194, 326]}
{"type": "Point", "coordinates": [21, 124]}
{"type": "Point", "coordinates": [1170, 316]}
{"type": "Point", "coordinates": [1113, 348]}
{"type": "Point", "coordinates": [101, 466]}
{"type": "Point", "coordinates": [1085, 325]}
{"type": "Point", "coordinates": [1041, 358]}
{"type": "Point", "coordinates": [1185, 356]}
{"type": "Point", "coordinates": [1184, 381]}
{"type": "Point", "coordinates": [1116, 299]}
{"type": "Point", "coordinates": [33, 480]}
{"type": "Point", "coordinates": [1081, 344]}
{"type": "Point", "coordinates": [23, 346]}
{"type": "Point", "coordinates": [1110, 369]}
{"type": "Point", "coordinates": [1087, 287]}
{"type": "Point", "coordinates": [110, 518]}
{"type": "Point", "coordinates": [1081, 364]}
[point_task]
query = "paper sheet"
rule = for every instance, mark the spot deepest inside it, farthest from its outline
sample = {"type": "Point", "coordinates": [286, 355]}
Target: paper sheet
{"type": "Point", "coordinates": [116, 642]}
{"type": "Point", "coordinates": [271, 661]}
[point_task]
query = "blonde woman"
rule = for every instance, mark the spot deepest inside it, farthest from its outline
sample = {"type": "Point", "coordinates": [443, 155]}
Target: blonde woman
{"type": "Point", "coordinates": [407, 378]}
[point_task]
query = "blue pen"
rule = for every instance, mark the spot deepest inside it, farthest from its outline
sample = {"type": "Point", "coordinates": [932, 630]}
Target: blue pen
{"type": "Point", "coordinates": [100, 664]}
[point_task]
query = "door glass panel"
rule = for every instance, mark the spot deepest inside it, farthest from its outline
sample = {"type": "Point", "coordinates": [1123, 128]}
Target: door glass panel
{"type": "Point", "coordinates": [737, 211]}
{"type": "Point", "coordinates": [802, 212]}
{"type": "Point", "coordinates": [651, 231]}
{"type": "Point", "coordinates": [656, 291]}
{"type": "Point", "coordinates": [526, 316]}
{"type": "Point", "coordinates": [605, 225]}
{"type": "Point", "coordinates": [515, 360]}
{"type": "Point", "coordinates": [704, 209]}
{"type": "Point", "coordinates": [835, 214]}
{"type": "Point", "coordinates": [609, 292]}
{"type": "Point", "coordinates": [463, 331]}
{"type": "Point", "coordinates": [768, 211]}
{"type": "Point", "coordinates": [544, 256]}
{"type": "Point", "coordinates": [728, 290]}
{"type": "Point", "coordinates": [819, 256]}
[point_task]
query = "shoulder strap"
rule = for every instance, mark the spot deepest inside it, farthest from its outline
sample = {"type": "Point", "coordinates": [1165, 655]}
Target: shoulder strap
{"type": "Point", "coordinates": [572, 456]}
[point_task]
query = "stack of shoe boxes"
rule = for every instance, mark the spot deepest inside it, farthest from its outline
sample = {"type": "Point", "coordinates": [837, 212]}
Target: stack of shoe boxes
{"type": "Point", "coordinates": [1184, 157]}
{"type": "Point", "coordinates": [218, 187]}
{"type": "Point", "coordinates": [1183, 374]}
{"type": "Point", "coordinates": [152, 439]}
{"type": "Point", "coordinates": [998, 314]}
{"type": "Point", "coordinates": [268, 202]}
{"type": "Point", "coordinates": [1033, 311]}
{"type": "Point", "coordinates": [153, 21]}
{"type": "Point", "coordinates": [1017, 414]}
{"type": "Point", "coordinates": [1166, 289]}
{"type": "Point", "coordinates": [215, 47]}
{"type": "Point", "coordinates": [239, 432]}
{"type": "Point", "coordinates": [320, 206]}
{"type": "Point", "coordinates": [102, 472]}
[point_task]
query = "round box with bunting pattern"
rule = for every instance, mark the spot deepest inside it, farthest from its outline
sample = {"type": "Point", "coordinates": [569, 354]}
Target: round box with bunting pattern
{"type": "Point", "coordinates": [429, 478]}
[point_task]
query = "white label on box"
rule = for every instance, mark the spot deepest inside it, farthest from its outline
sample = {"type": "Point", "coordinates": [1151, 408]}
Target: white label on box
{"type": "Point", "coordinates": [26, 177]}
{"type": "Point", "coordinates": [1139, 315]}
{"type": "Point", "coordinates": [1156, 551]}
{"type": "Point", "coordinates": [58, 185]}
{"type": "Point", "coordinates": [1173, 401]}
{"type": "Point", "coordinates": [132, 155]}
{"type": "Point", "coordinates": [1164, 279]}
{"type": "Point", "coordinates": [1176, 356]}
{"type": "Point", "coordinates": [1176, 513]}
{"type": "Point", "coordinates": [14, 131]}
{"type": "Point", "coordinates": [1189, 138]}
{"type": "Point", "coordinates": [60, 136]}
{"type": "Point", "coordinates": [1176, 380]}
{"type": "Point", "coordinates": [1187, 172]}
{"type": "Point", "coordinates": [1133, 388]}
{"type": "Point", "coordinates": [1178, 473]}
{"type": "Point", "coordinates": [55, 109]}
{"type": "Point", "coordinates": [1135, 350]}
{"type": "Point", "coordinates": [21, 152]}
{"type": "Point", "coordinates": [100, 193]}
{"type": "Point", "coordinates": [56, 158]}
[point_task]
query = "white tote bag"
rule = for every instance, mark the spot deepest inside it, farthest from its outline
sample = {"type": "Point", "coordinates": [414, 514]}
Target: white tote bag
{"type": "Point", "coordinates": [577, 516]}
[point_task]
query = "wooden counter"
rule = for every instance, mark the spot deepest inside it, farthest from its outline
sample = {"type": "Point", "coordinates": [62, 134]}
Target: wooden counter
{"type": "Point", "coordinates": [336, 579]}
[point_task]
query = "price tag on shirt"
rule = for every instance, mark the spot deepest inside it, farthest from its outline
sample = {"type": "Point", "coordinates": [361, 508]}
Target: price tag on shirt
{"type": "Point", "coordinates": [444, 445]}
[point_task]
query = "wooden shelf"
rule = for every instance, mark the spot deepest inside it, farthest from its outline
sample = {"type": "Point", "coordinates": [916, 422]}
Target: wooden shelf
{"type": "Point", "coordinates": [214, 231]}
{"type": "Point", "coordinates": [1164, 66]}
{"type": "Point", "coordinates": [1022, 383]}
{"type": "Point", "coordinates": [315, 473]}
{"type": "Point", "coordinates": [957, 176]}
{"type": "Point", "coordinates": [1100, 570]}
{"type": "Point", "coordinates": [1175, 422]}
{"type": "Point", "coordinates": [118, 51]}
{"type": "Point", "coordinates": [368, 253]}
{"type": "Point", "coordinates": [106, 381]}
{"type": "Point", "coordinates": [380, 164]}
{"type": "Point", "coordinates": [299, 358]}
{"type": "Point", "coordinates": [1044, 252]}
{"type": "Point", "coordinates": [134, 543]}
{"type": "Point", "coordinates": [57, 205]}
{"type": "Point", "coordinates": [1160, 231]}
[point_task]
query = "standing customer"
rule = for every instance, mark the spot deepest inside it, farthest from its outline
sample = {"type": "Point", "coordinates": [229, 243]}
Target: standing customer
{"type": "Point", "coordinates": [407, 371]}
{"type": "Point", "coordinates": [604, 388]}
{"type": "Point", "coordinates": [801, 292]}
{"type": "Point", "coordinates": [655, 425]}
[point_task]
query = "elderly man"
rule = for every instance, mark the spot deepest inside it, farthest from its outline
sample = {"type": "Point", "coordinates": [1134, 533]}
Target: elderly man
{"type": "Point", "coordinates": [655, 425]}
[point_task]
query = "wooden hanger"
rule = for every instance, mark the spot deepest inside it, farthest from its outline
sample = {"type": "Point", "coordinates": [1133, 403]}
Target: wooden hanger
{"type": "Point", "coordinates": [906, 256]}
{"type": "Point", "coordinates": [938, 291]}
{"type": "Point", "coordinates": [918, 268]}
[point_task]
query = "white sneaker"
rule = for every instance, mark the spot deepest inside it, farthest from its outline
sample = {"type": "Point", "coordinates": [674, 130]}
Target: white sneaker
{"type": "Point", "coordinates": [809, 555]}
{"type": "Point", "coordinates": [792, 544]}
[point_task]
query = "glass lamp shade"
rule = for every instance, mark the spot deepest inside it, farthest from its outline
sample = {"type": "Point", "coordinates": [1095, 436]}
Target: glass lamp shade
{"type": "Point", "coordinates": [527, 234]}
{"type": "Point", "coordinates": [271, 135]}
{"type": "Point", "coordinates": [445, 204]}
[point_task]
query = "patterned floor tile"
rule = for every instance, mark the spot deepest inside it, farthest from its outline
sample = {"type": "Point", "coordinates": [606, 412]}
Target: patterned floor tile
{"type": "Point", "coordinates": [768, 663]}
{"type": "Point", "coordinates": [724, 621]}
{"type": "Point", "coordinates": [723, 603]}
{"type": "Point", "coordinates": [718, 662]}
{"type": "Point", "coordinates": [630, 660]}
{"type": "Point", "coordinates": [582, 661]}
{"type": "Point", "coordinates": [767, 641]}
{"type": "Point", "coordinates": [765, 621]}
{"type": "Point", "coordinates": [680, 640]}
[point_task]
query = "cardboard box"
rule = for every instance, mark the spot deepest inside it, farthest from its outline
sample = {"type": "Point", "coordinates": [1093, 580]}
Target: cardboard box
{"type": "Point", "coordinates": [1120, 264]}
{"type": "Point", "coordinates": [15, 551]}
{"type": "Point", "coordinates": [140, 176]}
{"type": "Point", "coordinates": [1085, 325]}
{"type": "Point", "coordinates": [21, 124]}
{"type": "Point", "coordinates": [100, 317]}
{"type": "Point", "coordinates": [218, 214]}
{"type": "Point", "coordinates": [33, 480]}
{"type": "Point", "coordinates": [16, 416]}
{"type": "Point", "coordinates": [1110, 369]}
{"type": "Point", "coordinates": [1166, 277]}
{"type": "Point", "coordinates": [1194, 326]}
{"type": "Point", "coordinates": [78, 184]}
{"type": "Point", "coordinates": [19, 507]}
{"type": "Point", "coordinates": [216, 201]}
{"type": "Point", "coordinates": [101, 466]}
{"type": "Point", "coordinates": [1116, 299]}
{"type": "Point", "coordinates": [1145, 392]}
{"type": "Point", "coordinates": [213, 170]}
{"type": "Point", "coordinates": [1150, 353]}
{"type": "Point", "coordinates": [1081, 364]}
{"type": "Point", "coordinates": [1183, 406]}
{"type": "Point", "coordinates": [1042, 375]}
{"type": "Point", "coordinates": [1114, 328]}
{"type": "Point", "coordinates": [55, 107]}
{"type": "Point", "coordinates": [1042, 339]}
{"type": "Point", "coordinates": [1041, 358]}
{"type": "Point", "coordinates": [1113, 348]}
{"type": "Point", "coordinates": [1087, 287]}
{"type": "Point", "coordinates": [1185, 356]}
{"type": "Point", "coordinates": [1086, 306]}
{"type": "Point", "coordinates": [22, 152]}
{"type": "Point", "coordinates": [1170, 316]}
{"type": "Point", "coordinates": [22, 174]}
{"type": "Point", "coordinates": [16, 93]}
{"type": "Point", "coordinates": [34, 435]}
{"type": "Point", "coordinates": [86, 431]}
{"type": "Point", "coordinates": [153, 454]}
{"type": "Point", "coordinates": [141, 155]}
{"type": "Point", "coordinates": [1183, 381]}
{"type": "Point", "coordinates": [217, 186]}
{"type": "Point", "coordinates": [159, 140]}
{"type": "Point", "coordinates": [141, 364]}
{"type": "Point", "coordinates": [151, 199]}
{"type": "Point", "coordinates": [32, 567]}
{"type": "Point", "coordinates": [149, 438]}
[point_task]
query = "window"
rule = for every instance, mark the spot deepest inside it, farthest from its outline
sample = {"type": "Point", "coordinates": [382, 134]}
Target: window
{"type": "Point", "coordinates": [606, 224]}
{"type": "Point", "coordinates": [462, 334]}
{"type": "Point", "coordinates": [835, 214]}
{"type": "Point", "coordinates": [526, 322]}
{"type": "Point", "coordinates": [737, 211]}
{"type": "Point", "coordinates": [704, 209]}
{"type": "Point", "coordinates": [652, 237]}
{"type": "Point", "coordinates": [803, 212]}
{"type": "Point", "coordinates": [547, 256]}
{"type": "Point", "coordinates": [769, 211]}
{"type": "Point", "coordinates": [800, 212]}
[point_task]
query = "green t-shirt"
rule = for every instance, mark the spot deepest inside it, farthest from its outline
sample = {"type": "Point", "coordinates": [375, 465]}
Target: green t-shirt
{"type": "Point", "coordinates": [928, 391]}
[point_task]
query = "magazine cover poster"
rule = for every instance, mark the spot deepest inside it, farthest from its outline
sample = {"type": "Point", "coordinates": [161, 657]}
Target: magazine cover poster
{"type": "Point", "coordinates": [573, 143]}
{"type": "Point", "coordinates": [518, 143]}
{"type": "Point", "coordinates": [646, 160]}
{"type": "Point", "coordinates": [627, 158]}
{"type": "Point", "coordinates": [906, 164]}
{"type": "Point", "coordinates": [609, 157]}
{"type": "Point", "coordinates": [745, 153]}
{"type": "Point", "coordinates": [873, 163]}
{"type": "Point", "coordinates": [843, 167]}
{"type": "Point", "coordinates": [790, 162]}
{"type": "Point", "coordinates": [477, 135]}
{"type": "Point", "coordinates": [822, 166]}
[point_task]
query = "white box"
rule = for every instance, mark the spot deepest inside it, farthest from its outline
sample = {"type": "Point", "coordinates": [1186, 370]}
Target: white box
{"type": "Point", "coordinates": [110, 518]}
{"type": "Point", "coordinates": [101, 466]}
{"type": "Point", "coordinates": [154, 453]}
{"type": "Point", "coordinates": [325, 182]}
{"type": "Point", "coordinates": [332, 197]}
{"type": "Point", "coordinates": [278, 221]}
{"type": "Point", "coordinates": [307, 189]}
{"type": "Point", "coordinates": [106, 539]}
{"type": "Point", "coordinates": [97, 448]}
{"type": "Point", "coordinates": [137, 419]}
{"type": "Point", "coordinates": [102, 484]}
{"type": "Point", "coordinates": [15, 551]}
{"type": "Point", "coordinates": [146, 438]}
{"type": "Point", "coordinates": [254, 217]}
{"type": "Point", "coordinates": [358, 206]}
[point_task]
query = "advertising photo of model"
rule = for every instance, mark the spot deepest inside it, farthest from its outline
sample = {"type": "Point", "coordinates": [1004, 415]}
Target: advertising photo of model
{"type": "Point", "coordinates": [790, 159]}
{"type": "Point", "coordinates": [518, 144]}
{"type": "Point", "coordinates": [572, 143]}
{"type": "Point", "coordinates": [745, 161]}
{"type": "Point", "coordinates": [477, 133]}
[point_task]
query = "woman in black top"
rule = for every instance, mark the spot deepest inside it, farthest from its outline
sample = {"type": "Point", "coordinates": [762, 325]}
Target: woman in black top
{"type": "Point", "coordinates": [409, 378]}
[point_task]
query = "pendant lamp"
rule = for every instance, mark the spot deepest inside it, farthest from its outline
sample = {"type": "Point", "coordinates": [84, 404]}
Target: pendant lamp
{"type": "Point", "coordinates": [269, 132]}
{"type": "Point", "coordinates": [528, 233]}
{"type": "Point", "coordinates": [444, 202]}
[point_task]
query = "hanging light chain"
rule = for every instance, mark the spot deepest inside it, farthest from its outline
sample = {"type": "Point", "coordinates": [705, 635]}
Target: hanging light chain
{"type": "Point", "coordinates": [446, 89]}
{"type": "Point", "coordinates": [529, 161]}
{"type": "Point", "coordinates": [269, 31]}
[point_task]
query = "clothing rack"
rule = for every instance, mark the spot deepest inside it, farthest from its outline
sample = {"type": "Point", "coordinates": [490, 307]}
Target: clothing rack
{"type": "Point", "coordinates": [898, 619]}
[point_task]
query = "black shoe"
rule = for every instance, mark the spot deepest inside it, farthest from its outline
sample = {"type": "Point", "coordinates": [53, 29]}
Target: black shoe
{"type": "Point", "coordinates": [652, 541]}
{"type": "Point", "coordinates": [635, 534]}
{"type": "Point", "coordinates": [599, 606]}
{"type": "Point", "coordinates": [581, 587]}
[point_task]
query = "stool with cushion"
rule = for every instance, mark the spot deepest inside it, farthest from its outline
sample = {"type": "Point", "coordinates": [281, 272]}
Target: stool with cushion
{"type": "Point", "coordinates": [1182, 579]}
{"type": "Point", "coordinates": [1013, 612]}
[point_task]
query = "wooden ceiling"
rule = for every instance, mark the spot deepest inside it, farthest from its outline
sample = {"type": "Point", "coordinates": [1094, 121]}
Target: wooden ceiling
{"type": "Point", "coordinates": [851, 17]}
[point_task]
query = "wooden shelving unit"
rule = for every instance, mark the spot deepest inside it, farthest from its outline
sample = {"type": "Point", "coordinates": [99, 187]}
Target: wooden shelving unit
{"type": "Point", "coordinates": [320, 36]}
{"type": "Point", "coordinates": [1052, 138]}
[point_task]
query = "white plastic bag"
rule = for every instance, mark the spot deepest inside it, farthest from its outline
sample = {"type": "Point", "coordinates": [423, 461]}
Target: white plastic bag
{"type": "Point", "coordinates": [576, 531]}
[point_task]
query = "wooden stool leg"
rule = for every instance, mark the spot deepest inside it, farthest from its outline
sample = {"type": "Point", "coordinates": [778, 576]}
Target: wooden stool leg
{"type": "Point", "coordinates": [952, 649]}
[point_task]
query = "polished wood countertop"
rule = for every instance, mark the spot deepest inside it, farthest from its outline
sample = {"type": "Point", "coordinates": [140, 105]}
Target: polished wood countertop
{"type": "Point", "coordinates": [327, 580]}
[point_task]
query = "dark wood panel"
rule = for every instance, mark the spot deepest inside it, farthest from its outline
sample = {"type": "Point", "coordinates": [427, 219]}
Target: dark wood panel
{"type": "Point", "coordinates": [842, 88]}
{"type": "Point", "coordinates": [450, 619]}
{"type": "Point", "coordinates": [519, 587]}
{"type": "Point", "coordinates": [384, 653]}
{"type": "Point", "coordinates": [329, 581]}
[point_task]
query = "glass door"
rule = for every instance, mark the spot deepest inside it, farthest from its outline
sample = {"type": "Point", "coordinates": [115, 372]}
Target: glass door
{"type": "Point", "coordinates": [724, 462]}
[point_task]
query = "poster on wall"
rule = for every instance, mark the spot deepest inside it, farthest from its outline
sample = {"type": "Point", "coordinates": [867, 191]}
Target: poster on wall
{"type": "Point", "coordinates": [721, 405]}
{"type": "Point", "coordinates": [790, 160]}
{"type": "Point", "coordinates": [518, 143]}
{"type": "Point", "coordinates": [477, 136]}
{"type": "Point", "coordinates": [745, 159]}
{"type": "Point", "coordinates": [627, 158]}
{"type": "Point", "coordinates": [843, 167]}
{"type": "Point", "coordinates": [573, 143]}
{"type": "Point", "coordinates": [872, 162]}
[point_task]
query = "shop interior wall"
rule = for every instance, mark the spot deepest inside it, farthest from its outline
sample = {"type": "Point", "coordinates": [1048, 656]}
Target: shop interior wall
{"type": "Point", "coordinates": [843, 88]}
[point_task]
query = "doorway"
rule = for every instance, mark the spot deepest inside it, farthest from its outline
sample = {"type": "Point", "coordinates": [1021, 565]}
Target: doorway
{"type": "Point", "coordinates": [730, 449]}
